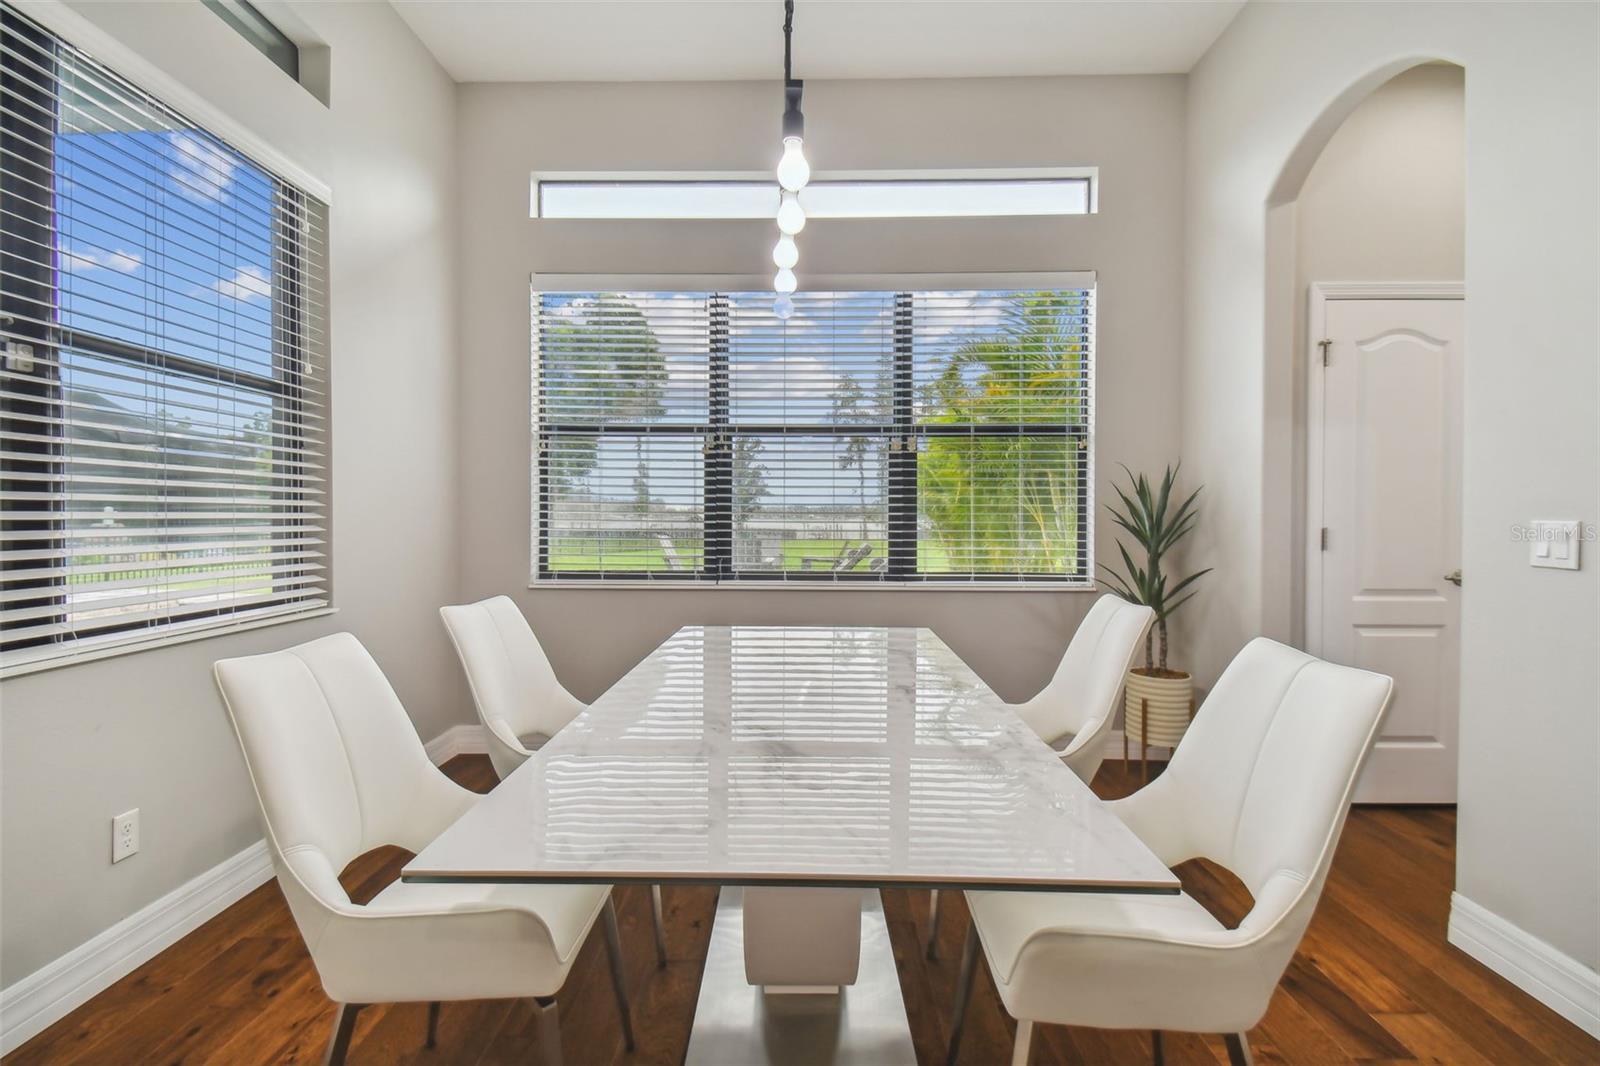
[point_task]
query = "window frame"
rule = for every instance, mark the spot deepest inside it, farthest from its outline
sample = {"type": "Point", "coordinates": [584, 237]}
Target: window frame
{"type": "Point", "coordinates": [264, 35]}
{"type": "Point", "coordinates": [762, 182]}
{"type": "Point", "coordinates": [297, 357]}
{"type": "Point", "coordinates": [901, 505]}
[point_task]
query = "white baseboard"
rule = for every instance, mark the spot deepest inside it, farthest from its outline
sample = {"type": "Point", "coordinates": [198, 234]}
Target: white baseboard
{"type": "Point", "coordinates": [457, 740]}
{"type": "Point", "coordinates": [48, 994]}
{"type": "Point", "coordinates": [1552, 977]}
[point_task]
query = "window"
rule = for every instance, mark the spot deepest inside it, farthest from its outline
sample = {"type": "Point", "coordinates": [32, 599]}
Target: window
{"type": "Point", "coordinates": [930, 197]}
{"type": "Point", "coordinates": [263, 36]}
{"type": "Point", "coordinates": [162, 400]}
{"type": "Point", "coordinates": [877, 435]}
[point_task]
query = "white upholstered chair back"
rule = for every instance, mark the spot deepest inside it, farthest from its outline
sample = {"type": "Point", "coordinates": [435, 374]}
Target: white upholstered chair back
{"type": "Point", "coordinates": [513, 685]}
{"type": "Point", "coordinates": [1262, 781]}
{"type": "Point", "coordinates": [1081, 699]}
{"type": "Point", "coordinates": [336, 765]}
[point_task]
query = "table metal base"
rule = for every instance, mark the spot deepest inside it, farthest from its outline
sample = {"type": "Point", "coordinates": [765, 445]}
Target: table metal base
{"type": "Point", "coordinates": [736, 1024]}
{"type": "Point", "coordinates": [804, 940]}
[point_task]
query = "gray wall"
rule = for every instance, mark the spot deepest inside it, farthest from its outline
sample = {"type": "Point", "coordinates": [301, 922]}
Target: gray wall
{"type": "Point", "coordinates": [1386, 199]}
{"type": "Point", "coordinates": [1263, 103]}
{"type": "Point", "coordinates": [82, 743]}
{"type": "Point", "coordinates": [1129, 127]}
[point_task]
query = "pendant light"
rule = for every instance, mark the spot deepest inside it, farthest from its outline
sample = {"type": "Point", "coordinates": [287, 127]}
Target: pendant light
{"type": "Point", "coordinates": [793, 173]}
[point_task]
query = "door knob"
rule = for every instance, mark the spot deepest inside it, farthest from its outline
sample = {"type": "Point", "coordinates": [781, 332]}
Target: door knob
{"type": "Point", "coordinates": [1454, 577]}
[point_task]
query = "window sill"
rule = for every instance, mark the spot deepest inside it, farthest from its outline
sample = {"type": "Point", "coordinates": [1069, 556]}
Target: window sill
{"type": "Point", "coordinates": [820, 586]}
{"type": "Point", "coordinates": [155, 641]}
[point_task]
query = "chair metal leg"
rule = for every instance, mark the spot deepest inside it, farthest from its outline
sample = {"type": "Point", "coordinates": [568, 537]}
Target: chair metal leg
{"type": "Point", "coordinates": [1156, 1055]}
{"type": "Point", "coordinates": [933, 924]}
{"type": "Point", "coordinates": [344, 1025]}
{"type": "Point", "coordinates": [618, 980]}
{"type": "Point", "coordinates": [1024, 1044]}
{"type": "Point", "coordinates": [433, 1026]}
{"type": "Point", "coordinates": [661, 926]}
{"type": "Point", "coordinates": [1238, 1049]}
{"type": "Point", "coordinates": [969, 966]}
{"type": "Point", "coordinates": [549, 1026]}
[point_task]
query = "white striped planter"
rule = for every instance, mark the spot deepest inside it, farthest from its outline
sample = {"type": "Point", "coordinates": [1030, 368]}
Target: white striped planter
{"type": "Point", "coordinates": [1157, 709]}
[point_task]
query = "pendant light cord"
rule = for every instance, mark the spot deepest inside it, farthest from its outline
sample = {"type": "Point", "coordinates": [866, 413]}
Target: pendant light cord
{"type": "Point", "coordinates": [788, 28]}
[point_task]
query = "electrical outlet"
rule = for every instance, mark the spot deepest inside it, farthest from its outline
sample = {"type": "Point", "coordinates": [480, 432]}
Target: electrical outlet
{"type": "Point", "coordinates": [124, 835]}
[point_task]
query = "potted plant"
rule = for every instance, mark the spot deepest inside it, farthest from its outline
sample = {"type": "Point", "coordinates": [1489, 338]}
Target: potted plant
{"type": "Point", "coordinates": [1160, 701]}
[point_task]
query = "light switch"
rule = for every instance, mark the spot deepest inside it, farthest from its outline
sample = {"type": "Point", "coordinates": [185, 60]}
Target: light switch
{"type": "Point", "coordinates": [1555, 543]}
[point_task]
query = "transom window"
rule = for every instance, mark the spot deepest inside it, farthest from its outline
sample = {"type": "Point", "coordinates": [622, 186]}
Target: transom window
{"type": "Point", "coordinates": [877, 435]}
{"type": "Point", "coordinates": [162, 401]}
{"type": "Point", "coordinates": [259, 30]}
{"type": "Point", "coordinates": [737, 197]}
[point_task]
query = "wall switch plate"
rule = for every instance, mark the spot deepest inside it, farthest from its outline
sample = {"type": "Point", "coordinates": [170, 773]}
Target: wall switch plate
{"type": "Point", "coordinates": [1555, 543]}
{"type": "Point", "coordinates": [124, 835]}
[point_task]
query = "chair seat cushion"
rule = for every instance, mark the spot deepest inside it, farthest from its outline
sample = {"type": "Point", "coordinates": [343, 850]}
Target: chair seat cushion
{"type": "Point", "coordinates": [567, 911]}
{"type": "Point", "coordinates": [1006, 921]}
{"type": "Point", "coordinates": [1063, 742]}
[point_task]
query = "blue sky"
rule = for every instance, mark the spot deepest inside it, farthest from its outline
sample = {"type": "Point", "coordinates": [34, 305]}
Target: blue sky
{"type": "Point", "coordinates": [164, 240]}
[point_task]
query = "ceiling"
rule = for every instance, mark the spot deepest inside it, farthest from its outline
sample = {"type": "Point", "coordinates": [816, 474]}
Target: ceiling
{"type": "Point", "coordinates": [706, 40]}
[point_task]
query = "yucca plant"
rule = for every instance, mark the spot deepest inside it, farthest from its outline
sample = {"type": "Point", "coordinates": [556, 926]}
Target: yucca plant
{"type": "Point", "coordinates": [1156, 526]}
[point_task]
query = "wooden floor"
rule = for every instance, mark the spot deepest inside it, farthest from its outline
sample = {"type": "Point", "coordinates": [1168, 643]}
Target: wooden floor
{"type": "Point", "coordinates": [1374, 981]}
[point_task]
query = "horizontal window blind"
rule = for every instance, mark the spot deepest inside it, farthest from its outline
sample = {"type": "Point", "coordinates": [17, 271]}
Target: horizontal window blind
{"type": "Point", "coordinates": [163, 409]}
{"type": "Point", "coordinates": [873, 436]}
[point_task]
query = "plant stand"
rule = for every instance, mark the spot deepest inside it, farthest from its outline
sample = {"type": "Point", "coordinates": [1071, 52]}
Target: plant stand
{"type": "Point", "coordinates": [1157, 709]}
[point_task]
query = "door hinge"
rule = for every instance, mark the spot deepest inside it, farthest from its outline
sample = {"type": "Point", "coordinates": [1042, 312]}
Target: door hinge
{"type": "Point", "coordinates": [1325, 345]}
{"type": "Point", "coordinates": [1324, 538]}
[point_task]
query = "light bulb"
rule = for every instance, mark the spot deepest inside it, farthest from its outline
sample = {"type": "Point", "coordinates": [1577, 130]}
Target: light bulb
{"type": "Point", "coordinates": [783, 307]}
{"type": "Point", "coordinates": [791, 216]}
{"type": "Point", "coordinates": [784, 282]}
{"type": "Point", "coordinates": [785, 253]}
{"type": "Point", "coordinates": [793, 170]}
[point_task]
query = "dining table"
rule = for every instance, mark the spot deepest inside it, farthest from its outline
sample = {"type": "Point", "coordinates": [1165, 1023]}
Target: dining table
{"type": "Point", "coordinates": [801, 768]}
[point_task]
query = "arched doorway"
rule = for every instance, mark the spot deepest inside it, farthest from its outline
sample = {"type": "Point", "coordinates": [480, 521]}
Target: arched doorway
{"type": "Point", "coordinates": [1365, 341]}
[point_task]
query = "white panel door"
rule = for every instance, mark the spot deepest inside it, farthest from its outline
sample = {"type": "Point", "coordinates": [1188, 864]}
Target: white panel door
{"type": "Point", "coordinates": [1390, 467]}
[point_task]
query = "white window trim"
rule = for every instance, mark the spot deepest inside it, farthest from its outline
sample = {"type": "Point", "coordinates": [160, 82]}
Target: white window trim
{"type": "Point", "coordinates": [1064, 279]}
{"type": "Point", "coordinates": [1043, 279]}
{"type": "Point", "coordinates": [145, 641]}
{"type": "Point", "coordinates": [58, 18]}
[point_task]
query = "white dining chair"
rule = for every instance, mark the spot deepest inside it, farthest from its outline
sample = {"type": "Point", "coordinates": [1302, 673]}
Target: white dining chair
{"type": "Point", "coordinates": [1261, 785]}
{"type": "Point", "coordinates": [338, 770]}
{"type": "Point", "coordinates": [520, 701]}
{"type": "Point", "coordinates": [1075, 711]}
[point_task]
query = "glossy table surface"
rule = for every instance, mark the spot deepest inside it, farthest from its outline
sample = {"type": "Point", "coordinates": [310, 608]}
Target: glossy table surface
{"type": "Point", "coordinates": [797, 756]}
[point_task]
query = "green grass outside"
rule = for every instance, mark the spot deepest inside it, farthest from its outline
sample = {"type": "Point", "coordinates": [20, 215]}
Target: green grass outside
{"type": "Point", "coordinates": [646, 554]}
{"type": "Point", "coordinates": [183, 578]}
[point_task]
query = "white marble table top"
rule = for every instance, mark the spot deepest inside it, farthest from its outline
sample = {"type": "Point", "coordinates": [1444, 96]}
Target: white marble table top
{"type": "Point", "coordinates": [797, 756]}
